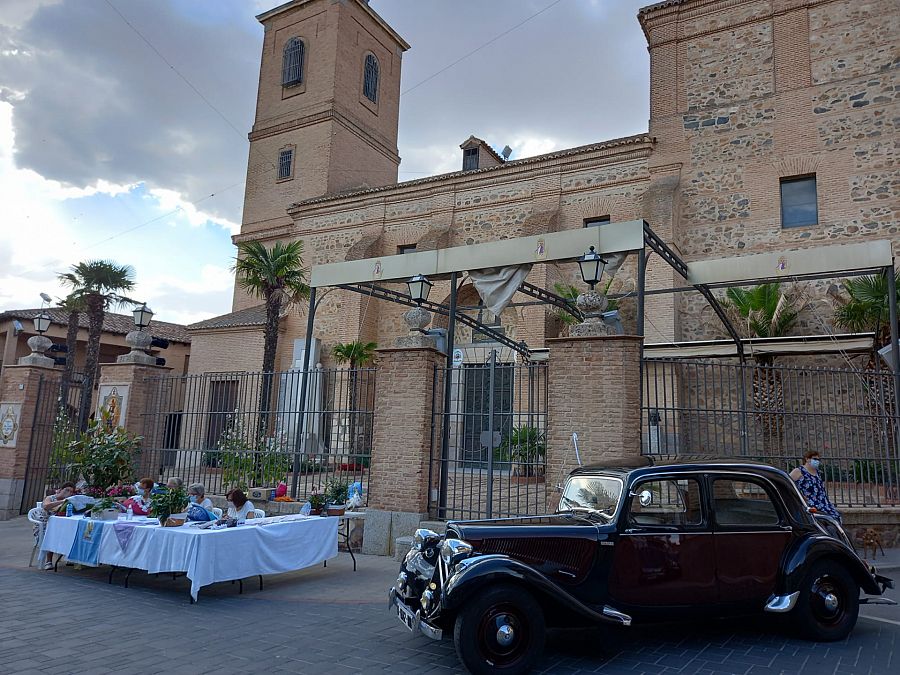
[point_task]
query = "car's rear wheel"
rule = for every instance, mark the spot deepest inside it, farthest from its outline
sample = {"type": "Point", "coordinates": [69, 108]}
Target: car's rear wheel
{"type": "Point", "coordinates": [500, 631]}
{"type": "Point", "coordinates": [828, 605]}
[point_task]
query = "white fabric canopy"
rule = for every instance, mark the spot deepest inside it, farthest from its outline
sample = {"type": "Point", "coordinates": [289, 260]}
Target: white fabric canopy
{"type": "Point", "coordinates": [497, 285]}
{"type": "Point", "coordinates": [270, 546]}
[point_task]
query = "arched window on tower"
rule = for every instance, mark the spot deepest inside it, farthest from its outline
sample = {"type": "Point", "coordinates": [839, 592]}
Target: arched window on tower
{"type": "Point", "coordinates": [370, 83]}
{"type": "Point", "coordinates": [292, 63]}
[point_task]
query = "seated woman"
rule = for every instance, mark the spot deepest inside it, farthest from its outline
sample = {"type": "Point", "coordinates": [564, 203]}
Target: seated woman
{"type": "Point", "coordinates": [140, 503]}
{"type": "Point", "coordinates": [52, 504]}
{"type": "Point", "coordinates": [812, 487]}
{"type": "Point", "coordinates": [197, 495]}
{"type": "Point", "coordinates": [239, 507]}
{"type": "Point", "coordinates": [174, 483]}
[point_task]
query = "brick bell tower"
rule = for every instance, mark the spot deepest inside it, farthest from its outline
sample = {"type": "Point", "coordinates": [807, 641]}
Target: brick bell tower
{"type": "Point", "coordinates": [327, 108]}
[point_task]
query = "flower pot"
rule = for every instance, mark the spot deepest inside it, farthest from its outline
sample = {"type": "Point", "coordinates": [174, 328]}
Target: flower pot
{"type": "Point", "coordinates": [315, 512]}
{"type": "Point", "coordinates": [107, 514]}
{"type": "Point", "coordinates": [335, 509]}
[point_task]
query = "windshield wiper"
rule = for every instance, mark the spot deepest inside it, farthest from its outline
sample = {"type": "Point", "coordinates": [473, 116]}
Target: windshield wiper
{"type": "Point", "coordinates": [577, 509]}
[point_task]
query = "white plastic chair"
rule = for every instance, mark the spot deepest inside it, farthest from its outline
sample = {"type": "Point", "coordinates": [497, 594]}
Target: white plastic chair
{"type": "Point", "coordinates": [217, 511]}
{"type": "Point", "coordinates": [34, 516]}
{"type": "Point", "coordinates": [259, 513]}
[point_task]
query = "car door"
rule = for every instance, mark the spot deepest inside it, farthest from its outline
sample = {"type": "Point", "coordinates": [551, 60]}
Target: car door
{"type": "Point", "coordinates": [750, 534]}
{"type": "Point", "coordinates": [665, 554]}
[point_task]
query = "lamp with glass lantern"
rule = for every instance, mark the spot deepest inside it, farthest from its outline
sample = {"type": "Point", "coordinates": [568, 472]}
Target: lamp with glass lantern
{"type": "Point", "coordinates": [139, 340]}
{"type": "Point", "coordinates": [593, 302]}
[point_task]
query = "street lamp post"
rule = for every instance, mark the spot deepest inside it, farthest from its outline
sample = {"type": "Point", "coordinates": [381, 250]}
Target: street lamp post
{"type": "Point", "coordinates": [139, 340]}
{"type": "Point", "coordinates": [417, 318]}
{"type": "Point", "coordinates": [39, 344]}
{"type": "Point", "coordinates": [593, 302]}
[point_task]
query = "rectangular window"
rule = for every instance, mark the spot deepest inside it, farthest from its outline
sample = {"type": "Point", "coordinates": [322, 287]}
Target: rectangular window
{"type": "Point", "coordinates": [596, 222]}
{"type": "Point", "coordinates": [798, 202]}
{"type": "Point", "coordinates": [668, 503]}
{"type": "Point", "coordinates": [406, 248]}
{"type": "Point", "coordinates": [743, 504]}
{"type": "Point", "coordinates": [285, 163]}
{"type": "Point", "coordinates": [470, 159]}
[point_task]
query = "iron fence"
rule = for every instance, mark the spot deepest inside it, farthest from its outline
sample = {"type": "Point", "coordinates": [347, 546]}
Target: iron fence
{"type": "Point", "coordinates": [251, 429]}
{"type": "Point", "coordinates": [488, 449]}
{"type": "Point", "coordinates": [774, 414]}
{"type": "Point", "coordinates": [54, 427]}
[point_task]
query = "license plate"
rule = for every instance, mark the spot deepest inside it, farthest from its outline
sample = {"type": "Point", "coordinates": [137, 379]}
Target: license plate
{"type": "Point", "coordinates": [407, 618]}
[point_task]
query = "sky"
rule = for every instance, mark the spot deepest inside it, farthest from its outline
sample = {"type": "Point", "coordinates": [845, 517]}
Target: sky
{"type": "Point", "coordinates": [123, 123]}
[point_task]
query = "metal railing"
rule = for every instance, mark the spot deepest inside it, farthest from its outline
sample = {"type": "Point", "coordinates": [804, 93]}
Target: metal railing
{"type": "Point", "coordinates": [250, 429]}
{"type": "Point", "coordinates": [494, 463]}
{"type": "Point", "coordinates": [774, 414]}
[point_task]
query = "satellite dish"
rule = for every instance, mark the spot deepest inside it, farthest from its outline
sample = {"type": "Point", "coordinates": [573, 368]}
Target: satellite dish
{"type": "Point", "coordinates": [507, 151]}
{"type": "Point", "coordinates": [46, 298]}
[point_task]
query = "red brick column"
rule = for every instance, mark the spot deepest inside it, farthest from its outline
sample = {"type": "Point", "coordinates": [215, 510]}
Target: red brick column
{"type": "Point", "coordinates": [19, 387]}
{"type": "Point", "coordinates": [133, 379]}
{"type": "Point", "coordinates": [594, 389]}
{"type": "Point", "coordinates": [402, 435]}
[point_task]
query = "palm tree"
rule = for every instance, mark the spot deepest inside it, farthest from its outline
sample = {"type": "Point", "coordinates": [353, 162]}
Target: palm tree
{"type": "Point", "coordinates": [277, 276]}
{"type": "Point", "coordinates": [766, 311]}
{"type": "Point", "coordinates": [356, 354]}
{"type": "Point", "coordinates": [866, 308]}
{"type": "Point", "coordinates": [98, 285]}
{"type": "Point", "coordinates": [73, 306]}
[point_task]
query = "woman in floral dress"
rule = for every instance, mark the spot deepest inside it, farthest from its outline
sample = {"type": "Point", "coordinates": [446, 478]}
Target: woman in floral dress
{"type": "Point", "coordinates": [812, 487]}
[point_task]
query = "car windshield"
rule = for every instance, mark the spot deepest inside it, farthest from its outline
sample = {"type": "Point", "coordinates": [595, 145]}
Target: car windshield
{"type": "Point", "coordinates": [597, 493]}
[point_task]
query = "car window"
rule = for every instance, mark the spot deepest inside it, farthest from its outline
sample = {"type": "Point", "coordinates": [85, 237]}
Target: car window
{"type": "Point", "coordinates": [742, 503]}
{"type": "Point", "coordinates": [669, 502]}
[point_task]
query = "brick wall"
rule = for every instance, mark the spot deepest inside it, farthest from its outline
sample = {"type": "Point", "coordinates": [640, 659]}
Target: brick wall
{"type": "Point", "coordinates": [402, 434]}
{"type": "Point", "coordinates": [593, 389]}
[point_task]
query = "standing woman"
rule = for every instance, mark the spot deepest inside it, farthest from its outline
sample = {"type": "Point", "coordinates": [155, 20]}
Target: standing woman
{"type": "Point", "coordinates": [811, 485]}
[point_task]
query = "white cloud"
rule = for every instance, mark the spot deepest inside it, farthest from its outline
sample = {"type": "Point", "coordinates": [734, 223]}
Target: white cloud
{"type": "Point", "coordinates": [171, 200]}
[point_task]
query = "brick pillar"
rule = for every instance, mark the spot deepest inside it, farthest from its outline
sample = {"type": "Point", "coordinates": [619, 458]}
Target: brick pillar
{"type": "Point", "coordinates": [130, 381]}
{"type": "Point", "coordinates": [19, 387]}
{"type": "Point", "coordinates": [594, 389]}
{"type": "Point", "coordinates": [398, 479]}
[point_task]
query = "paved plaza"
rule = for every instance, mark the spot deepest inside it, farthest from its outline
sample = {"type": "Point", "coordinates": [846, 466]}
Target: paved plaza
{"type": "Point", "coordinates": [334, 621]}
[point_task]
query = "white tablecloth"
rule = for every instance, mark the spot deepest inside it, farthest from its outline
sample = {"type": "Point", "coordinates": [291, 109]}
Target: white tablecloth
{"type": "Point", "coordinates": [208, 556]}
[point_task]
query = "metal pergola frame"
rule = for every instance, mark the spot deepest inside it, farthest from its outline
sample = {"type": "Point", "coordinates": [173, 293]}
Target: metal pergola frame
{"type": "Point", "coordinates": [367, 277]}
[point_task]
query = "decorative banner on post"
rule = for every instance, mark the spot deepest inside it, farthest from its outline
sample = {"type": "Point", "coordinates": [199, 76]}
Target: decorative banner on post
{"type": "Point", "coordinates": [10, 413]}
{"type": "Point", "coordinates": [113, 399]}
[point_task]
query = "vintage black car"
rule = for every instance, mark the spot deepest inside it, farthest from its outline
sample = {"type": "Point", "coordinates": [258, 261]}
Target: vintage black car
{"type": "Point", "coordinates": [634, 544]}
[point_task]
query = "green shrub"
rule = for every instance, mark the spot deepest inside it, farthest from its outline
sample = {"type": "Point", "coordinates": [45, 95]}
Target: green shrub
{"type": "Point", "coordinates": [525, 446]}
{"type": "Point", "coordinates": [104, 455]}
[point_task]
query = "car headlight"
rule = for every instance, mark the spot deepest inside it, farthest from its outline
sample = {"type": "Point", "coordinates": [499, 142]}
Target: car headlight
{"type": "Point", "coordinates": [455, 550]}
{"type": "Point", "coordinates": [423, 539]}
{"type": "Point", "coordinates": [427, 600]}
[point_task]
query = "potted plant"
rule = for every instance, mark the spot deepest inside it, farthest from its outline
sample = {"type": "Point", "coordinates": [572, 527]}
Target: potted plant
{"type": "Point", "coordinates": [524, 449]}
{"type": "Point", "coordinates": [105, 508]}
{"type": "Point", "coordinates": [316, 501]}
{"type": "Point", "coordinates": [336, 493]}
{"type": "Point", "coordinates": [166, 503]}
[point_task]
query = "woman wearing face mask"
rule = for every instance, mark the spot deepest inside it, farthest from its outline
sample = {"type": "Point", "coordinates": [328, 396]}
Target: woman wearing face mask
{"type": "Point", "coordinates": [812, 487]}
{"type": "Point", "coordinates": [239, 507]}
{"type": "Point", "coordinates": [197, 495]}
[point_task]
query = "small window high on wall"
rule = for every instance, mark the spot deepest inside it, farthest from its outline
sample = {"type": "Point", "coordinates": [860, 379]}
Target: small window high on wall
{"type": "Point", "coordinates": [370, 78]}
{"type": "Point", "coordinates": [285, 163]}
{"type": "Point", "coordinates": [798, 202]}
{"type": "Point", "coordinates": [292, 62]}
{"type": "Point", "coordinates": [596, 222]}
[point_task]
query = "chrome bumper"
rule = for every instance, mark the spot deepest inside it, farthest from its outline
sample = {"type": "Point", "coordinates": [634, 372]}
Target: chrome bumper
{"type": "Point", "coordinates": [782, 603]}
{"type": "Point", "coordinates": [412, 621]}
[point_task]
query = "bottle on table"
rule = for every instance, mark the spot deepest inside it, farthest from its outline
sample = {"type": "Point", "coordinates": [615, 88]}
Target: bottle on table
{"type": "Point", "coordinates": [129, 514]}
{"type": "Point", "coordinates": [69, 510]}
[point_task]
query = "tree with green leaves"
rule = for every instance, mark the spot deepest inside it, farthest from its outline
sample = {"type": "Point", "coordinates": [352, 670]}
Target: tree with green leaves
{"type": "Point", "coordinates": [98, 285]}
{"type": "Point", "coordinates": [276, 275]}
{"type": "Point", "coordinates": [766, 310]}
{"type": "Point", "coordinates": [357, 355]}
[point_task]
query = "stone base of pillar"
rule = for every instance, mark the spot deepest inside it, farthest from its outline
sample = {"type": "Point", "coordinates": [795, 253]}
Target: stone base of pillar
{"type": "Point", "coordinates": [415, 341]}
{"type": "Point", "coordinates": [139, 358]}
{"type": "Point", "coordinates": [384, 528]}
{"type": "Point", "coordinates": [36, 360]}
{"type": "Point", "coordinates": [11, 490]}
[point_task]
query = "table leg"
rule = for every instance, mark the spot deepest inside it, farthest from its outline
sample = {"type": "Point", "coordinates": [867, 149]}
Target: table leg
{"type": "Point", "coordinates": [130, 570]}
{"type": "Point", "coordinates": [260, 582]}
{"type": "Point", "coordinates": [240, 586]}
{"type": "Point", "coordinates": [112, 570]}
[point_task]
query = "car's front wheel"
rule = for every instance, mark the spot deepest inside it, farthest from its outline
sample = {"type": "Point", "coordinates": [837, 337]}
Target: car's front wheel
{"type": "Point", "coordinates": [500, 631]}
{"type": "Point", "coordinates": [828, 604]}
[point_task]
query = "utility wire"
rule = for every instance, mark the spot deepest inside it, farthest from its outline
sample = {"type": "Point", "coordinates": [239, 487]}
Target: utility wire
{"type": "Point", "coordinates": [479, 48]}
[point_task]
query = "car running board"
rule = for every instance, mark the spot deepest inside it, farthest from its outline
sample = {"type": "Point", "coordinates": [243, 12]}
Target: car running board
{"type": "Point", "coordinates": [877, 601]}
{"type": "Point", "coordinates": [616, 615]}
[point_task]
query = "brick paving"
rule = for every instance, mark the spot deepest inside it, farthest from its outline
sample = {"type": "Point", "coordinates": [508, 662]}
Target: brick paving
{"type": "Point", "coordinates": [332, 620]}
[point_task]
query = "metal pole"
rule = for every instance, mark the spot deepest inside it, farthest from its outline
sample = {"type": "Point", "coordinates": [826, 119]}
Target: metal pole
{"type": "Point", "coordinates": [492, 373]}
{"type": "Point", "coordinates": [310, 319]}
{"type": "Point", "coordinates": [448, 390]}
{"type": "Point", "coordinates": [892, 304]}
{"type": "Point", "coordinates": [641, 282]}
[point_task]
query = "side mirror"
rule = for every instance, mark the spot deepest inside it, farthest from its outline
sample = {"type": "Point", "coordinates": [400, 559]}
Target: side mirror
{"type": "Point", "coordinates": [645, 497]}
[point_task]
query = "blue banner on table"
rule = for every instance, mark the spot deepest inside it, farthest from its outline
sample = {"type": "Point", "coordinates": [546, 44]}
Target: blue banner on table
{"type": "Point", "coordinates": [86, 546]}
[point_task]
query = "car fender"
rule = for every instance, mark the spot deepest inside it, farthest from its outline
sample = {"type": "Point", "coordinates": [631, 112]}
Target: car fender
{"type": "Point", "coordinates": [474, 573]}
{"type": "Point", "coordinates": [808, 550]}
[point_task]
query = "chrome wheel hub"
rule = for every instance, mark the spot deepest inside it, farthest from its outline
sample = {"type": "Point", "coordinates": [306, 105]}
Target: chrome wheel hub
{"type": "Point", "coordinates": [831, 602]}
{"type": "Point", "coordinates": [505, 635]}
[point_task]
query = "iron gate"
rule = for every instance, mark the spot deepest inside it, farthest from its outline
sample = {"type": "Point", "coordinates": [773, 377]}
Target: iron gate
{"type": "Point", "coordinates": [54, 427]}
{"type": "Point", "coordinates": [488, 446]}
{"type": "Point", "coordinates": [775, 413]}
{"type": "Point", "coordinates": [243, 429]}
